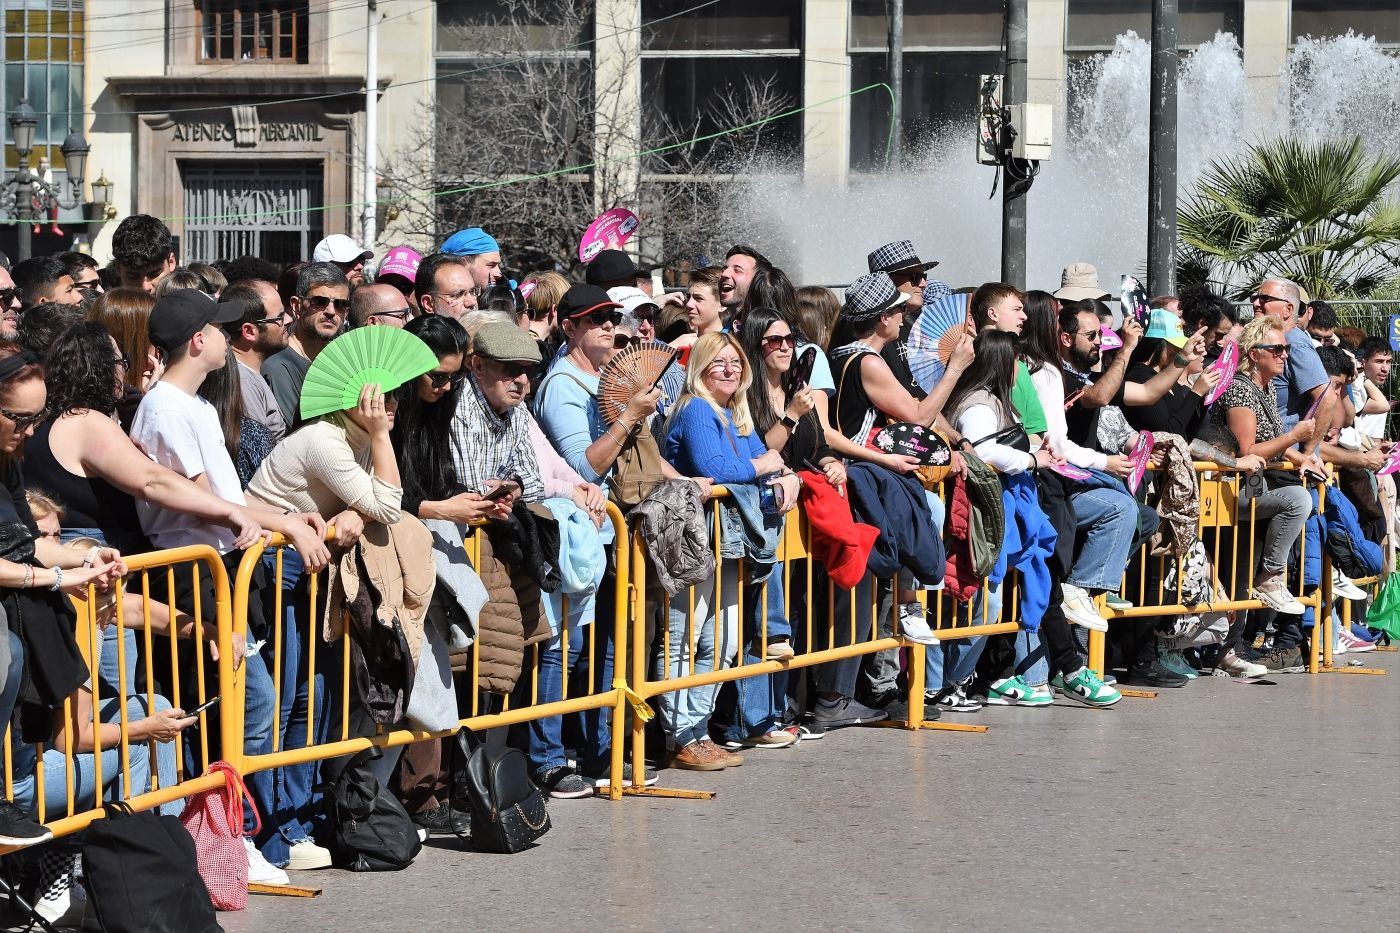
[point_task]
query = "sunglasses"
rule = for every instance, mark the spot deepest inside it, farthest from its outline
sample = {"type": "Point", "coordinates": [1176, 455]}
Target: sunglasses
{"type": "Point", "coordinates": [1261, 298]}
{"type": "Point", "coordinates": [776, 342]}
{"type": "Point", "coordinates": [23, 421]}
{"type": "Point", "coordinates": [644, 317]}
{"type": "Point", "coordinates": [321, 302]}
{"type": "Point", "coordinates": [1093, 336]}
{"type": "Point", "coordinates": [1277, 349]}
{"type": "Point", "coordinates": [446, 379]}
{"type": "Point", "coordinates": [279, 319]}
{"type": "Point", "coordinates": [8, 295]}
{"type": "Point", "coordinates": [603, 316]}
{"type": "Point", "coordinates": [625, 340]}
{"type": "Point", "coordinates": [514, 370]}
{"type": "Point", "coordinates": [912, 275]}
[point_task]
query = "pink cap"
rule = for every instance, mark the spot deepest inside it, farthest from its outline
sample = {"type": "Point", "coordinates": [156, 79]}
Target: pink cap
{"type": "Point", "coordinates": [400, 261]}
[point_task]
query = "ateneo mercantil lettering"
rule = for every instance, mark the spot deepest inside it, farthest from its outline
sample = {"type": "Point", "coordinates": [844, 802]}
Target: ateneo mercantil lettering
{"type": "Point", "coordinates": [267, 132]}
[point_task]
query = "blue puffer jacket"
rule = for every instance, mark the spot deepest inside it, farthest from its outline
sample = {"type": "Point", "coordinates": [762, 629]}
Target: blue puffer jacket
{"type": "Point", "coordinates": [896, 505]}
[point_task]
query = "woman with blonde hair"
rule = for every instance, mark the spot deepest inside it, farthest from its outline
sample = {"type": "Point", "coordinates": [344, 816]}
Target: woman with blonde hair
{"type": "Point", "coordinates": [1245, 421]}
{"type": "Point", "coordinates": [710, 432]}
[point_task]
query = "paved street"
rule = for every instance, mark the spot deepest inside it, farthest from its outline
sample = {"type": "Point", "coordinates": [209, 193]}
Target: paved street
{"type": "Point", "coordinates": [1222, 806]}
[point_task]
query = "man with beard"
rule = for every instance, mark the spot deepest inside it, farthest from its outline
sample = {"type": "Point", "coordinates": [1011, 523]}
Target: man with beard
{"type": "Point", "coordinates": [9, 301]}
{"type": "Point", "coordinates": [257, 335]}
{"type": "Point", "coordinates": [910, 275]}
{"type": "Point", "coordinates": [319, 307]}
{"type": "Point", "coordinates": [739, 265]}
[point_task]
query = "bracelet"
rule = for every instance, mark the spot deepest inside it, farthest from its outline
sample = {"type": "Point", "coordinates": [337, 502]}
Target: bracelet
{"type": "Point", "coordinates": [91, 557]}
{"type": "Point", "coordinates": [788, 421]}
{"type": "Point", "coordinates": [28, 576]}
{"type": "Point", "coordinates": [57, 583]}
{"type": "Point", "coordinates": [1181, 361]}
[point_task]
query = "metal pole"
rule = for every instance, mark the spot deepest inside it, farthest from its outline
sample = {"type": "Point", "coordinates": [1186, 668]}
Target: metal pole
{"type": "Point", "coordinates": [1161, 160]}
{"type": "Point", "coordinates": [24, 191]}
{"type": "Point", "coordinates": [1013, 204]}
{"type": "Point", "coordinates": [371, 193]}
{"type": "Point", "coordinates": [895, 62]}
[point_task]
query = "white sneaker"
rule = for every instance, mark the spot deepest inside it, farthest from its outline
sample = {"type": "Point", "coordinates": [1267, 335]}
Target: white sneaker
{"type": "Point", "coordinates": [1343, 587]}
{"type": "Point", "coordinates": [307, 855]}
{"type": "Point", "coordinates": [1080, 609]}
{"type": "Point", "coordinates": [1232, 665]}
{"type": "Point", "coordinates": [1272, 592]}
{"type": "Point", "coordinates": [62, 899]}
{"type": "Point", "coordinates": [260, 870]}
{"type": "Point", "coordinates": [913, 626]}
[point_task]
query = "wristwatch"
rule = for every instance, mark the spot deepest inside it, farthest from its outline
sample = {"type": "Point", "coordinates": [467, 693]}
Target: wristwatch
{"type": "Point", "coordinates": [789, 422]}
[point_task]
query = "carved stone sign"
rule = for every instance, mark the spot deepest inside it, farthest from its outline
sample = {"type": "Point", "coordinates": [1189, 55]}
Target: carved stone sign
{"type": "Point", "coordinates": [205, 131]}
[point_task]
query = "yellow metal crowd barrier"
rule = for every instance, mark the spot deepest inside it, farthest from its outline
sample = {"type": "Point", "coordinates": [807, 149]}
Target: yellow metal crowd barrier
{"type": "Point", "coordinates": [135, 633]}
{"type": "Point", "coordinates": [151, 628]}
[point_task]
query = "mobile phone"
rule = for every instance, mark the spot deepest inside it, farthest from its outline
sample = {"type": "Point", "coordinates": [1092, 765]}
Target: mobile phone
{"type": "Point", "coordinates": [506, 488]}
{"type": "Point", "coordinates": [204, 706]}
{"type": "Point", "coordinates": [1073, 397]}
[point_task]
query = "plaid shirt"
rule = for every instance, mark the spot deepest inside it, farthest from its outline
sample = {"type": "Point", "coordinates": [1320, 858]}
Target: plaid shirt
{"type": "Point", "coordinates": [487, 446]}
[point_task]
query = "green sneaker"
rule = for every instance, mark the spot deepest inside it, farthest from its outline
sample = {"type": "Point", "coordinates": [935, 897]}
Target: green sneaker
{"type": "Point", "coordinates": [1084, 686]}
{"type": "Point", "coordinates": [1175, 662]}
{"type": "Point", "coordinates": [1014, 691]}
{"type": "Point", "coordinates": [1116, 602]}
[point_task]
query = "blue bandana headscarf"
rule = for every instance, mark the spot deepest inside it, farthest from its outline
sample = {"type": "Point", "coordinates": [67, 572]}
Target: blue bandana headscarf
{"type": "Point", "coordinates": [472, 241]}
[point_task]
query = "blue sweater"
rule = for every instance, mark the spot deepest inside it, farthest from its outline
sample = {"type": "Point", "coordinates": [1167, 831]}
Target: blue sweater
{"type": "Point", "coordinates": [697, 443]}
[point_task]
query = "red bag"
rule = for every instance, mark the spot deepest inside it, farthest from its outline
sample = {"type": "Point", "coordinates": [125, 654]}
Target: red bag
{"type": "Point", "coordinates": [214, 819]}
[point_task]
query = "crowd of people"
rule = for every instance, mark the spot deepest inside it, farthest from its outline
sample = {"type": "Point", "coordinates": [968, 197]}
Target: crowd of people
{"type": "Point", "coordinates": [145, 406]}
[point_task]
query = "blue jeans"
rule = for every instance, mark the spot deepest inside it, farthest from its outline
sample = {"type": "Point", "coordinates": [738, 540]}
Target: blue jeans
{"type": "Point", "coordinates": [292, 812]}
{"type": "Point", "coordinates": [1107, 521]}
{"type": "Point", "coordinates": [685, 714]}
{"type": "Point", "coordinates": [544, 743]}
{"type": "Point", "coordinates": [1032, 661]}
{"type": "Point", "coordinates": [259, 704]}
{"type": "Point", "coordinates": [955, 661]}
{"type": "Point", "coordinates": [85, 770]}
{"type": "Point", "coordinates": [109, 668]}
{"type": "Point", "coordinates": [754, 705]}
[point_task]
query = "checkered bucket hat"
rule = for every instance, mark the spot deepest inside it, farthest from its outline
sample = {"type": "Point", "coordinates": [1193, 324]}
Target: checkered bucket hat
{"type": "Point", "coordinates": [869, 295]}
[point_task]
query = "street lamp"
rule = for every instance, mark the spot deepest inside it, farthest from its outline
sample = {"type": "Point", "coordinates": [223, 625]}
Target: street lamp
{"type": "Point", "coordinates": [102, 197]}
{"type": "Point", "coordinates": [23, 121]}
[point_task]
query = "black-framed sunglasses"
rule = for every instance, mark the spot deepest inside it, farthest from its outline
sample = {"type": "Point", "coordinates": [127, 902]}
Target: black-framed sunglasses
{"type": "Point", "coordinates": [321, 302]}
{"type": "Point", "coordinates": [23, 420]}
{"type": "Point", "coordinates": [1093, 336]}
{"type": "Point", "coordinates": [8, 295]}
{"type": "Point", "coordinates": [279, 319]}
{"type": "Point", "coordinates": [514, 370]}
{"type": "Point", "coordinates": [604, 316]}
{"type": "Point", "coordinates": [1263, 299]}
{"type": "Point", "coordinates": [625, 340]}
{"type": "Point", "coordinates": [778, 341]}
{"type": "Point", "coordinates": [1277, 349]}
{"type": "Point", "coordinates": [446, 379]}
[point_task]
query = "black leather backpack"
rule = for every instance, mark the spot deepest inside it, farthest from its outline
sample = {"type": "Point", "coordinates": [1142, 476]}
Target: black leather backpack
{"type": "Point", "coordinates": [508, 810]}
{"type": "Point", "coordinates": [371, 829]}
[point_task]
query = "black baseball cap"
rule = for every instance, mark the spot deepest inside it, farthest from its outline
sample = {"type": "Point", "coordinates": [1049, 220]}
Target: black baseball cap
{"type": "Point", "coordinates": [582, 299]}
{"type": "Point", "coordinates": [610, 265]}
{"type": "Point", "coordinates": [183, 313]}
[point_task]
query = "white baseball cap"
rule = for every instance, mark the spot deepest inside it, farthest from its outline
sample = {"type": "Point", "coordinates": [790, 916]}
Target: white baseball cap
{"type": "Point", "coordinates": [339, 248]}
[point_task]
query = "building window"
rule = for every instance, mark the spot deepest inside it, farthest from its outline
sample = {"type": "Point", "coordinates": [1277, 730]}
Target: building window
{"type": "Point", "coordinates": [948, 44]}
{"type": "Point", "coordinates": [44, 63]}
{"type": "Point", "coordinates": [1093, 25]}
{"type": "Point", "coordinates": [253, 30]}
{"type": "Point", "coordinates": [707, 70]}
{"type": "Point", "coordinates": [1323, 19]}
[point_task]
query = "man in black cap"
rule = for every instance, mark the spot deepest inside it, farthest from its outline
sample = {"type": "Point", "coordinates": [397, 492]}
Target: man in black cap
{"type": "Point", "coordinates": [909, 274]}
{"type": "Point", "coordinates": [612, 268]}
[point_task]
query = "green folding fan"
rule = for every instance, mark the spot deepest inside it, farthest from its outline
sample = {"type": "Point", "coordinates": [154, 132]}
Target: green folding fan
{"type": "Point", "coordinates": [378, 354]}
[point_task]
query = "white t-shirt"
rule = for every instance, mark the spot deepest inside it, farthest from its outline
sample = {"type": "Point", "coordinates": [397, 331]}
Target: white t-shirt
{"type": "Point", "coordinates": [182, 432]}
{"type": "Point", "coordinates": [1370, 425]}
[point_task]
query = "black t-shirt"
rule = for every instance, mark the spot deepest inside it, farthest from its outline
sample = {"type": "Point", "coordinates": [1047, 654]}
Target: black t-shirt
{"type": "Point", "coordinates": [1081, 423]}
{"type": "Point", "coordinates": [896, 355]}
{"type": "Point", "coordinates": [1180, 411]}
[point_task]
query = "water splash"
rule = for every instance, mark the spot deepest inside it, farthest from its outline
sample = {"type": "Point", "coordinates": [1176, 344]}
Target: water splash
{"type": "Point", "coordinates": [1090, 201]}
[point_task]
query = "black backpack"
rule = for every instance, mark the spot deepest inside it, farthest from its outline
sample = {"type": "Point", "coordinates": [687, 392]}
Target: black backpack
{"type": "Point", "coordinates": [371, 831]}
{"type": "Point", "coordinates": [508, 810]}
{"type": "Point", "coordinates": [141, 875]}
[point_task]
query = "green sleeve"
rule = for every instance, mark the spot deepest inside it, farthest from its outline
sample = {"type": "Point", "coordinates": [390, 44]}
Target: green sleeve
{"type": "Point", "coordinates": [1026, 402]}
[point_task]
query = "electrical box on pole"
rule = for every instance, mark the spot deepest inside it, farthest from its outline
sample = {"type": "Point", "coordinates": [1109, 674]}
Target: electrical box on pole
{"type": "Point", "coordinates": [1032, 129]}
